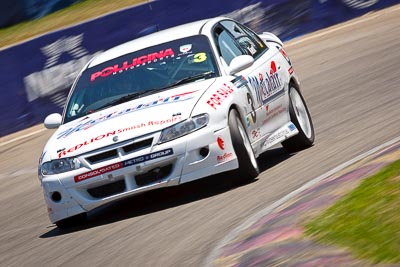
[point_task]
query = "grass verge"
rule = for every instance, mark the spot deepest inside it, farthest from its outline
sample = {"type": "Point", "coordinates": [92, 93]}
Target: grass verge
{"type": "Point", "coordinates": [367, 220]}
{"type": "Point", "coordinates": [73, 14]}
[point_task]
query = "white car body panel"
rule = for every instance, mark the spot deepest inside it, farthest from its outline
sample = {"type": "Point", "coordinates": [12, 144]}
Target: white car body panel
{"type": "Point", "coordinates": [259, 93]}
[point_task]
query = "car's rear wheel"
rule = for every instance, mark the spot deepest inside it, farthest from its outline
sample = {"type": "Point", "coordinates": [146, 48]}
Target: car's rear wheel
{"type": "Point", "coordinates": [300, 116]}
{"type": "Point", "coordinates": [248, 166]}
{"type": "Point", "coordinates": [72, 221]}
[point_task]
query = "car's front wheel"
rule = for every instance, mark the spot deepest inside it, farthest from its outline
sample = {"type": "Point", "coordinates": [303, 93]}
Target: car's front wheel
{"type": "Point", "coordinates": [248, 166]}
{"type": "Point", "coordinates": [300, 116]}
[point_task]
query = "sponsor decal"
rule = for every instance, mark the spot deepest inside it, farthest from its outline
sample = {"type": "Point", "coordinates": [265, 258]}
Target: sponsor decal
{"type": "Point", "coordinates": [220, 95]}
{"type": "Point", "coordinates": [273, 68]}
{"type": "Point", "coordinates": [239, 81]}
{"type": "Point", "coordinates": [283, 52]}
{"type": "Point", "coordinates": [249, 120]}
{"type": "Point", "coordinates": [142, 60]}
{"type": "Point", "coordinates": [256, 133]}
{"type": "Point", "coordinates": [272, 113]}
{"type": "Point", "coordinates": [176, 114]}
{"type": "Point", "coordinates": [98, 172]}
{"type": "Point", "coordinates": [119, 131]}
{"type": "Point", "coordinates": [292, 127]}
{"type": "Point", "coordinates": [221, 143]}
{"type": "Point", "coordinates": [257, 87]}
{"type": "Point", "coordinates": [251, 49]}
{"type": "Point", "coordinates": [224, 157]}
{"type": "Point", "coordinates": [185, 48]}
{"type": "Point", "coordinates": [277, 137]}
{"type": "Point", "coordinates": [281, 135]}
{"type": "Point", "coordinates": [161, 122]}
{"type": "Point", "coordinates": [123, 164]}
{"type": "Point", "coordinates": [267, 86]}
{"type": "Point", "coordinates": [156, 102]}
{"type": "Point", "coordinates": [199, 57]}
{"type": "Point", "coordinates": [253, 113]}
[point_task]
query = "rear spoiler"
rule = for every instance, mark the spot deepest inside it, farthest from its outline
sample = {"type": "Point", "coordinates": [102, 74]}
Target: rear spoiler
{"type": "Point", "coordinates": [271, 38]}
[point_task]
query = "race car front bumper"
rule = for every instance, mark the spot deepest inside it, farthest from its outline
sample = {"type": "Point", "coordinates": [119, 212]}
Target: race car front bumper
{"type": "Point", "coordinates": [191, 157]}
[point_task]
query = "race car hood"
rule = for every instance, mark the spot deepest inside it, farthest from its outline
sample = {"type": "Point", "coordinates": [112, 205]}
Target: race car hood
{"type": "Point", "coordinates": [126, 121]}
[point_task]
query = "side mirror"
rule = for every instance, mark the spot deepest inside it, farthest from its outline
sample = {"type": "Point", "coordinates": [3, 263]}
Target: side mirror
{"type": "Point", "coordinates": [52, 121]}
{"type": "Point", "coordinates": [240, 63]}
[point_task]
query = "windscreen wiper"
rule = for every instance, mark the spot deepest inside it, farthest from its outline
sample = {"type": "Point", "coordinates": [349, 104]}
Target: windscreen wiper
{"type": "Point", "coordinates": [117, 101]}
{"type": "Point", "coordinates": [179, 82]}
{"type": "Point", "coordinates": [152, 91]}
{"type": "Point", "coordinates": [207, 74]}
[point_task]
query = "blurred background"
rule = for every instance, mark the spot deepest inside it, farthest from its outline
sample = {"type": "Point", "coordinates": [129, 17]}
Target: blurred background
{"type": "Point", "coordinates": [44, 43]}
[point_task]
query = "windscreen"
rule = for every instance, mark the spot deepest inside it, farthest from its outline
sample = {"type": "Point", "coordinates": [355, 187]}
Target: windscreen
{"type": "Point", "coordinates": [141, 73]}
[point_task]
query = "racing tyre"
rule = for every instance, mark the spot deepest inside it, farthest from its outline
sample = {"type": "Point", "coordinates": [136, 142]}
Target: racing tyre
{"type": "Point", "coordinates": [248, 166]}
{"type": "Point", "coordinates": [300, 116]}
{"type": "Point", "coordinates": [73, 221]}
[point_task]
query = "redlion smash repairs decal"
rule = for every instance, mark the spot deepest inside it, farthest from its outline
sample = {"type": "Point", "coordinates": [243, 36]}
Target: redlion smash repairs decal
{"type": "Point", "coordinates": [123, 164]}
{"type": "Point", "coordinates": [224, 157]}
{"type": "Point", "coordinates": [64, 152]}
{"type": "Point", "coordinates": [159, 101]}
{"type": "Point", "coordinates": [221, 143]}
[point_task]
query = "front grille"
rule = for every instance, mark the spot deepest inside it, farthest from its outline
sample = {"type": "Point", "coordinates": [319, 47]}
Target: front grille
{"type": "Point", "coordinates": [103, 156]}
{"type": "Point", "coordinates": [107, 189]}
{"type": "Point", "coordinates": [111, 154]}
{"type": "Point", "coordinates": [154, 175]}
{"type": "Point", "coordinates": [138, 145]}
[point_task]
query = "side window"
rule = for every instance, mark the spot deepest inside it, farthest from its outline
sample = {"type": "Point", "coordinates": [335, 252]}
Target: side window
{"type": "Point", "coordinates": [260, 43]}
{"type": "Point", "coordinates": [249, 42]}
{"type": "Point", "coordinates": [227, 45]}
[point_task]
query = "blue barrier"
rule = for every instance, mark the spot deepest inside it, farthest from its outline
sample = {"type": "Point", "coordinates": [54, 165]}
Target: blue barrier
{"type": "Point", "coordinates": [13, 12]}
{"type": "Point", "coordinates": [36, 75]}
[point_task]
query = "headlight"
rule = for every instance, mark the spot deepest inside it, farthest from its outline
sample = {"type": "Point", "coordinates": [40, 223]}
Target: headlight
{"type": "Point", "coordinates": [183, 128]}
{"type": "Point", "coordinates": [60, 166]}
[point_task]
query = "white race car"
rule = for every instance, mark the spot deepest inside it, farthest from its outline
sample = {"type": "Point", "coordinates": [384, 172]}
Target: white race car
{"type": "Point", "coordinates": [169, 108]}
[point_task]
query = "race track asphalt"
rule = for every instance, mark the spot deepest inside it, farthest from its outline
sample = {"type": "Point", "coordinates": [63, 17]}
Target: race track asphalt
{"type": "Point", "coordinates": [350, 78]}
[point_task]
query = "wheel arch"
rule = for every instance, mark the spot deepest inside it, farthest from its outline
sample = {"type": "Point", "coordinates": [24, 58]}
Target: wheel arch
{"type": "Point", "coordinates": [236, 107]}
{"type": "Point", "coordinates": [293, 80]}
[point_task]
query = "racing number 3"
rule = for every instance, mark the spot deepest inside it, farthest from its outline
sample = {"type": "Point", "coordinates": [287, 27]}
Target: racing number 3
{"type": "Point", "coordinates": [199, 57]}
{"type": "Point", "coordinates": [253, 110]}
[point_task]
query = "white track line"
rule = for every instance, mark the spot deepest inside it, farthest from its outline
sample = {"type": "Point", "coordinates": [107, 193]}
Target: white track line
{"type": "Point", "coordinates": [22, 137]}
{"type": "Point", "coordinates": [254, 218]}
